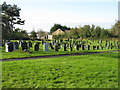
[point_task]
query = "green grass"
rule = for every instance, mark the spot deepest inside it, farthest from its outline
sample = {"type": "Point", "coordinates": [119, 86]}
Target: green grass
{"type": "Point", "coordinates": [85, 71]}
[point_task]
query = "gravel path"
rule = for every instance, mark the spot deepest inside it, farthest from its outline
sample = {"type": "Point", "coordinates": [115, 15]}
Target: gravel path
{"type": "Point", "coordinates": [51, 56]}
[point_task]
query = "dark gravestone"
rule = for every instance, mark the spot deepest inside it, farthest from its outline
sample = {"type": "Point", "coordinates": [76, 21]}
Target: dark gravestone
{"type": "Point", "coordinates": [97, 47]}
{"type": "Point", "coordinates": [77, 47]}
{"type": "Point", "coordinates": [83, 47]}
{"type": "Point", "coordinates": [101, 47]}
{"type": "Point", "coordinates": [16, 45]}
{"type": "Point", "coordinates": [56, 47]}
{"type": "Point", "coordinates": [36, 46]}
{"type": "Point", "coordinates": [88, 47]}
{"type": "Point", "coordinates": [30, 44]}
{"type": "Point", "coordinates": [65, 47]}
{"type": "Point", "coordinates": [24, 45]}
{"type": "Point", "coordinates": [42, 42]}
{"type": "Point", "coordinates": [9, 47]}
{"type": "Point", "coordinates": [71, 47]}
{"type": "Point", "coordinates": [51, 46]}
{"type": "Point", "coordinates": [94, 47]}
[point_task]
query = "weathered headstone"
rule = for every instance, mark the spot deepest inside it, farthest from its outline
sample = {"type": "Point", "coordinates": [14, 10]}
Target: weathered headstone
{"type": "Point", "coordinates": [88, 47]}
{"type": "Point", "coordinates": [24, 45]}
{"type": "Point", "coordinates": [65, 47]}
{"type": "Point", "coordinates": [71, 47]}
{"type": "Point", "coordinates": [15, 45]}
{"type": "Point", "coordinates": [36, 46]}
{"type": "Point", "coordinates": [45, 48]}
{"type": "Point", "coordinates": [94, 47]}
{"type": "Point", "coordinates": [56, 47]}
{"type": "Point", "coordinates": [51, 46]}
{"type": "Point", "coordinates": [97, 47]}
{"type": "Point", "coordinates": [83, 47]}
{"type": "Point", "coordinates": [77, 47]}
{"type": "Point", "coordinates": [9, 47]}
{"type": "Point", "coordinates": [30, 44]}
{"type": "Point", "coordinates": [42, 41]}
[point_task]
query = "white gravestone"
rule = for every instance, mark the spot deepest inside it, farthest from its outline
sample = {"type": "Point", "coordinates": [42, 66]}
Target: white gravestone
{"type": "Point", "coordinates": [45, 48]}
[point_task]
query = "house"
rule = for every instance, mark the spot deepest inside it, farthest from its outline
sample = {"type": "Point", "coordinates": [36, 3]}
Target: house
{"type": "Point", "coordinates": [60, 31]}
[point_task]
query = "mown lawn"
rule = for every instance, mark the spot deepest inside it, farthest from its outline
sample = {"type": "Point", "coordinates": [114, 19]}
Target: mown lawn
{"type": "Point", "coordinates": [85, 71]}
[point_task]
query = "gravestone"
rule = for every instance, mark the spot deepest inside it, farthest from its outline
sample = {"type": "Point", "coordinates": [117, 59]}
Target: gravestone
{"type": "Point", "coordinates": [70, 47]}
{"type": "Point", "coordinates": [65, 47]}
{"type": "Point", "coordinates": [15, 45]}
{"type": "Point", "coordinates": [45, 48]}
{"type": "Point", "coordinates": [24, 45]}
{"type": "Point", "coordinates": [77, 47]}
{"type": "Point", "coordinates": [94, 47]}
{"type": "Point", "coordinates": [56, 47]}
{"type": "Point", "coordinates": [36, 46]}
{"type": "Point", "coordinates": [42, 41]}
{"type": "Point", "coordinates": [97, 47]}
{"type": "Point", "coordinates": [88, 47]}
{"type": "Point", "coordinates": [9, 47]}
{"type": "Point", "coordinates": [51, 46]}
{"type": "Point", "coordinates": [30, 44]}
{"type": "Point", "coordinates": [83, 47]}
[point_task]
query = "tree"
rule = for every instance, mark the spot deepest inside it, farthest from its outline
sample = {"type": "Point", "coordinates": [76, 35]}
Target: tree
{"type": "Point", "coordinates": [33, 34]}
{"type": "Point", "coordinates": [41, 33]}
{"type": "Point", "coordinates": [19, 34]}
{"type": "Point", "coordinates": [10, 17]}
{"type": "Point", "coordinates": [116, 29]}
{"type": "Point", "coordinates": [58, 26]}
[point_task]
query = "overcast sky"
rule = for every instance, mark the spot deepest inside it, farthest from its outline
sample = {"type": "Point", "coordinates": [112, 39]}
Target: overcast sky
{"type": "Point", "coordinates": [43, 14]}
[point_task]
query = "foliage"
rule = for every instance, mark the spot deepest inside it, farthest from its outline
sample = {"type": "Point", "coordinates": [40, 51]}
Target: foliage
{"type": "Point", "coordinates": [10, 17]}
{"type": "Point", "coordinates": [116, 29]}
{"type": "Point", "coordinates": [85, 71]}
{"type": "Point", "coordinates": [41, 33]}
{"type": "Point", "coordinates": [19, 34]}
{"type": "Point", "coordinates": [33, 34]}
{"type": "Point", "coordinates": [58, 26]}
{"type": "Point", "coordinates": [87, 31]}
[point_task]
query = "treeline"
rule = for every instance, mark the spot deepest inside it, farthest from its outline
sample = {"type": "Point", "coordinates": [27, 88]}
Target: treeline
{"type": "Point", "coordinates": [91, 32]}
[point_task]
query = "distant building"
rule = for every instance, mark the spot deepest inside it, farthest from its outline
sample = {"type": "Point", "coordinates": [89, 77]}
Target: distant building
{"type": "Point", "coordinates": [60, 31]}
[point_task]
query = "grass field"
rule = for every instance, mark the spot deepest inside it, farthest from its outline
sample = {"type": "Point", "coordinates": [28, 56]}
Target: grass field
{"type": "Point", "coordinates": [85, 71]}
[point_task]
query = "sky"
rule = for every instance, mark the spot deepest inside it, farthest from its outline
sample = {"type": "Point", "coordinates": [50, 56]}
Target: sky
{"type": "Point", "coordinates": [43, 14]}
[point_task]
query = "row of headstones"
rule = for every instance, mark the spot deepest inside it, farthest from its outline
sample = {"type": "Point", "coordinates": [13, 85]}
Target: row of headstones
{"type": "Point", "coordinates": [11, 46]}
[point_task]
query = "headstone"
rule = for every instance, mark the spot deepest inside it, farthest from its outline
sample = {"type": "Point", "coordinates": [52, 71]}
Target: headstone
{"type": "Point", "coordinates": [65, 47]}
{"type": "Point", "coordinates": [15, 45]}
{"type": "Point", "coordinates": [94, 47]}
{"type": "Point", "coordinates": [97, 47]}
{"type": "Point", "coordinates": [30, 44]}
{"type": "Point", "coordinates": [9, 47]}
{"type": "Point", "coordinates": [70, 47]}
{"type": "Point", "coordinates": [88, 47]}
{"type": "Point", "coordinates": [51, 46]}
{"type": "Point", "coordinates": [45, 48]}
{"type": "Point", "coordinates": [56, 47]}
{"type": "Point", "coordinates": [36, 46]}
{"type": "Point", "coordinates": [77, 47]}
{"type": "Point", "coordinates": [24, 45]}
{"type": "Point", "coordinates": [42, 41]}
{"type": "Point", "coordinates": [83, 47]}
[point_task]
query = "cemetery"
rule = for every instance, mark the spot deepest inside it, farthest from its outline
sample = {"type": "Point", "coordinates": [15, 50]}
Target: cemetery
{"type": "Point", "coordinates": [29, 48]}
{"type": "Point", "coordinates": [65, 57]}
